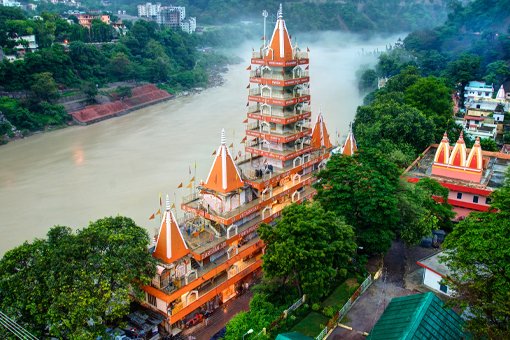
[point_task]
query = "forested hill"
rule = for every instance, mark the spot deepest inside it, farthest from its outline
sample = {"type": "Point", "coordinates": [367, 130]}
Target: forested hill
{"type": "Point", "coordinates": [347, 15]}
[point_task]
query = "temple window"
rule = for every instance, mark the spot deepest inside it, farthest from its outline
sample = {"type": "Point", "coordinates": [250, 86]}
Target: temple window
{"type": "Point", "coordinates": [459, 195]}
{"type": "Point", "coordinates": [475, 199]}
{"type": "Point", "coordinates": [151, 299]}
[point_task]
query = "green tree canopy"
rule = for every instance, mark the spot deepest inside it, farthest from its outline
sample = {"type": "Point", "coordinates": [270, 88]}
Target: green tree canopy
{"type": "Point", "coordinates": [70, 285]}
{"type": "Point", "coordinates": [478, 252]}
{"type": "Point", "coordinates": [362, 189]}
{"type": "Point", "coordinates": [306, 248]}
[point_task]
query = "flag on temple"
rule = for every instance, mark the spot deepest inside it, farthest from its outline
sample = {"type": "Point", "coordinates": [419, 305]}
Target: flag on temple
{"type": "Point", "coordinates": [248, 86]}
{"type": "Point", "coordinates": [190, 185]}
{"type": "Point", "coordinates": [243, 140]}
{"type": "Point", "coordinates": [231, 145]}
{"type": "Point", "coordinates": [239, 153]}
{"type": "Point", "coordinates": [307, 49]}
{"type": "Point", "coordinates": [173, 206]}
{"type": "Point", "coordinates": [193, 179]}
{"type": "Point", "coordinates": [189, 169]}
{"type": "Point", "coordinates": [214, 153]}
{"type": "Point", "coordinates": [160, 200]}
{"type": "Point", "coordinates": [263, 37]}
{"type": "Point", "coordinates": [245, 121]}
{"type": "Point", "coordinates": [248, 104]}
{"type": "Point", "coordinates": [235, 159]}
{"type": "Point", "coordinates": [248, 68]}
{"type": "Point", "coordinates": [152, 217]}
{"type": "Point", "coordinates": [306, 68]}
{"type": "Point", "coordinates": [179, 186]}
{"type": "Point", "coordinates": [159, 212]}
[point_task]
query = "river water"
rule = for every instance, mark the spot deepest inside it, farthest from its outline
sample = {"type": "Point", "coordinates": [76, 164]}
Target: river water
{"type": "Point", "coordinates": [120, 166]}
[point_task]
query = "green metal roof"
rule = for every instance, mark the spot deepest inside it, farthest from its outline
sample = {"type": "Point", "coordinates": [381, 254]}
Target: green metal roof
{"type": "Point", "coordinates": [420, 316]}
{"type": "Point", "coordinates": [292, 336]}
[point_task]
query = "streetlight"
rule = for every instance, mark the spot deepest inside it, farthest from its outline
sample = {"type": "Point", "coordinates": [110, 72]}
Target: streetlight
{"type": "Point", "coordinates": [249, 332]}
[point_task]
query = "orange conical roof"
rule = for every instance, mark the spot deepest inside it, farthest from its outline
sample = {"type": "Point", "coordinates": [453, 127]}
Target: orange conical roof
{"type": "Point", "coordinates": [350, 146]}
{"type": "Point", "coordinates": [458, 155]}
{"type": "Point", "coordinates": [443, 150]}
{"type": "Point", "coordinates": [224, 176]}
{"type": "Point", "coordinates": [475, 159]}
{"type": "Point", "coordinates": [280, 47]}
{"type": "Point", "coordinates": [170, 245]}
{"type": "Point", "coordinates": [320, 136]}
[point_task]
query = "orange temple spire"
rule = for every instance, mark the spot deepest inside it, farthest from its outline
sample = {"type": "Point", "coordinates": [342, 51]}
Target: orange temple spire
{"type": "Point", "coordinates": [280, 47]}
{"type": "Point", "coordinates": [458, 155]}
{"type": "Point", "coordinates": [443, 150]}
{"type": "Point", "coordinates": [224, 176]}
{"type": "Point", "coordinates": [320, 136]}
{"type": "Point", "coordinates": [170, 245]}
{"type": "Point", "coordinates": [350, 146]}
{"type": "Point", "coordinates": [475, 159]}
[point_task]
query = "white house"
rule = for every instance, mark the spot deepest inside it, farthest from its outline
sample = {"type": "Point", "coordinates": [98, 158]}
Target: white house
{"type": "Point", "coordinates": [477, 90]}
{"type": "Point", "coordinates": [434, 273]}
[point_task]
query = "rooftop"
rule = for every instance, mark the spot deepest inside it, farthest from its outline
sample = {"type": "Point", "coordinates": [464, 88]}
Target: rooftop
{"type": "Point", "coordinates": [433, 263]}
{"type": "Point", "coordinates": [493, 173]}
{"type": "Point", "coordinates": [419, 316]}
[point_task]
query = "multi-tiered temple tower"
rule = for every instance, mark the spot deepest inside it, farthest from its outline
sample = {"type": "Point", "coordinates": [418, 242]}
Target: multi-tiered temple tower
{"type": "Point", "coordinates": [214, 252]}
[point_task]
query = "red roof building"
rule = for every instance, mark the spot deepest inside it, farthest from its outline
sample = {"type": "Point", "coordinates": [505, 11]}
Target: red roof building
{"type": "Point", "coordinates": [210, 255]}
{"type": "Point", "coordinates": [471, 175]}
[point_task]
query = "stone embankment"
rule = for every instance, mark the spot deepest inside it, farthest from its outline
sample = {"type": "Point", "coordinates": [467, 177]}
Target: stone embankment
{"type": "Point", "coordinates": [142, 96]}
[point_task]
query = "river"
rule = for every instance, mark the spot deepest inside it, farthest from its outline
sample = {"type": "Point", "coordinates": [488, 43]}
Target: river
{"type": "Point", "coordinates": [120, 166]}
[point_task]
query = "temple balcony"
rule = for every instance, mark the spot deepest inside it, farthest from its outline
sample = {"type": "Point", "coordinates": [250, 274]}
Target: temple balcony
{"type": "Point", "coordinates": [263, 149]}
{"type": "Point", "coordinates": [278, 76]}
{"type": "Point", "coordinates": [198, 278]}
{"type": "Point", "coordinates": [246, 217]}
{"type": "Point", "coordinates": [278, 116]}
{"type": "Point", "coordinates": [279, 99]}
{"type": "Point", "coordinates": [275, 136]}
{"type": "Point", "coordinates": [296, 54]}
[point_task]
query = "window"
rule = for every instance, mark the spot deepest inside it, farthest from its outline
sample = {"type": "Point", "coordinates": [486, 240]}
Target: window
{"type": "Point", "coordinates": [443, 288]}
{"type": "Point", "coordinates": [151, 299]}
{"type": "Point", "coordinates": [475, 199]}
{"type": "Point", "coordinates": [459, 195]}
{"type": "Point", "coordinates": [487, 200]}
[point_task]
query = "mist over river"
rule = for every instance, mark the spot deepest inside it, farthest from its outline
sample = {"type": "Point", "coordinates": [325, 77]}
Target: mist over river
{"type": "Point", "coordinates": [119, 166]}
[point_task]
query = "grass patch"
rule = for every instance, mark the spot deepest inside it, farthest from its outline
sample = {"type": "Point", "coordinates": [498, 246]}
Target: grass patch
{"type": "Point", "coordinates": [341, 294]}
{"type": "Point", "coordinates": [311, 325]}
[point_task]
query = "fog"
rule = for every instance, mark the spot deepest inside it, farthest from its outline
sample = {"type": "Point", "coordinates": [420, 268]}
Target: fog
{"type": "Point", "coordinates": [120, 166]}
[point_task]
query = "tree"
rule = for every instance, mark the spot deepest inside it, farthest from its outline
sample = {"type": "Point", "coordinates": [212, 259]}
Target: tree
{"type": "Point", "coordinates": [261, 314]}
{"type": "Point", "coordinates": [431, 96]}
{"type": "Point", "coordinates": [362, 189]}
{"type": "Point", "coordinates": [477, 253]}
{"type": "Point", "coordinates": [463, 70]}
{"type": "Point", "coordinates": [90, 89]}
{"type": "Point", "coordinates": [306, 248]}
{"type": "Point", "coordinates": [44, 87]}
{"type": "Point", "coordinates": [497, 72]}
{"type": "Point", "coordinates": [70, 285]}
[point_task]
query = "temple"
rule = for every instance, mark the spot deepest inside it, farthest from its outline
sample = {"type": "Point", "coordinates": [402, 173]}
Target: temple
{"type": "Point", "coordinates": [213, 252]}
{"type": "Point", "coordinates": [470, 175]}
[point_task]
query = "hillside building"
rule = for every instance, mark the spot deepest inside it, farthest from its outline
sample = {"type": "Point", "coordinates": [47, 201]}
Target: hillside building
{"type": "Point", "coordinates": [213, 252]}
{"type": "Point", "coordinates": [471, 175]}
